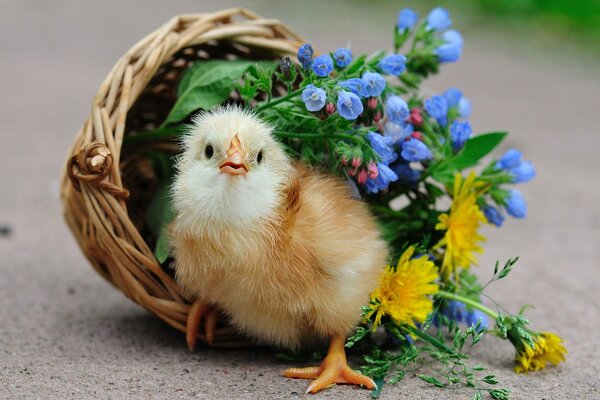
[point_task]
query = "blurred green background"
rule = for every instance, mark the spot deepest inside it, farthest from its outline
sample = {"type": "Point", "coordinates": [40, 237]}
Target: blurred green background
{"type": "Point", "coordinates": [568, 24]}
{"type": "Point", "coordinates": [575, 21]}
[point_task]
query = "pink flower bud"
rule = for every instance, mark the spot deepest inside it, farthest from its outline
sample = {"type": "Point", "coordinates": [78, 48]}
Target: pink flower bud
{"type": "Point", "coordinates": [330, 108]}
{"type": "Point", "coordinates": [415, 117]}
{"type": "Point", "coordinates": [351, 171]}
{"type": "Point", "coordinates": [362, 176]}
{"type": "Point", "coordinates": [356, 162]}
{"type": "Point", "coordinates": [372, 103]}
{"type": "Point", "coordinates": [344, 160]}
{"type": "Point", "coordinates": [377, 117]}
{"type": "Point", "coordinates": [417, 135]}
{"type": "Point", "coordinates": [372, 170]}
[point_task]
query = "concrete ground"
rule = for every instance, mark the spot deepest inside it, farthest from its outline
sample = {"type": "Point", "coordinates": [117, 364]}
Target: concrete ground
{"type": "Point", "coordinates": [65, 333]}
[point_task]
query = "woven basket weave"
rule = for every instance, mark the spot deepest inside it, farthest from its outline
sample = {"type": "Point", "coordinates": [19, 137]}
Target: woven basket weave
{"type": "Point", "coordinates": [107, 186]}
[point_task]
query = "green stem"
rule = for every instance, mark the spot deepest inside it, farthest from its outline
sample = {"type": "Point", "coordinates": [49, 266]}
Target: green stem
{"type": "Point", "coordinates": [279, 100]}
{"type": "Point", "coordinates": [308, 135]}
{"type": "Point", "coordinates": [468, 301]}
{"type": "Point", "coordinates": [430, 339]}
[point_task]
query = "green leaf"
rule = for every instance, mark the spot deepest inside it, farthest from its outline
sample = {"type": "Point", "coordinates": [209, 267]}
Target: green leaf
{"type": "Point", "coordinates": [377, 391]}
{"type": "Point", "coordinates": [490, 379]}
{"type": "Point", "coordinates": [478, 396]}
{"type": "Point", "coordinates": [443, 174]}
{"type": "Point", "coordinates": [432, 380]}
{"type": "Point", "coordinates": [359, 335]}
{"type": "Point", "coordinates": [207, 84]}
{"type": "Point", "coordinates": [475, 149]}
{"type": "Point", "coordinates": [160, 215]}
{"type": "Point", "coordinates": [499, 394]}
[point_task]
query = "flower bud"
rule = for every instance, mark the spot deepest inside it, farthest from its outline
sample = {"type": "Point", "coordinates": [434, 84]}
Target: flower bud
{"type": "Point", "coordinates": [285, 65]}
{"type": "Point", "coordinates": [351, 171]}
{"type": "Point", "coordinates": [377, 117]}
{"type": "Point", "coordinates": [330, 108]}
{"type": "Point", "coordinates": [356, 157]}
{"type": "Point", "coordinates": [372, 170]}
{"type": "Point", "coordinates": [344, 160]}
{"type": "Point", "coordinates": [362, 176]}
{"type": "Point", "coordinates": [415, 117]}
{"type": "Point", "coordinates": [417, 135]}
{"type": "Point", "coordinates": [372, 103]}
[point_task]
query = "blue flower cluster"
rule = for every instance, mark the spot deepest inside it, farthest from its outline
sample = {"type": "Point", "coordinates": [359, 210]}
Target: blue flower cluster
{"type": "Point", "coordinates": [457, 311]}
{"type": "Point", "coordinates": [438, 107]}
{"type": "Point", "coordinates": [520, 171]}
{"type": "Point", "coordinates": [382, 176]}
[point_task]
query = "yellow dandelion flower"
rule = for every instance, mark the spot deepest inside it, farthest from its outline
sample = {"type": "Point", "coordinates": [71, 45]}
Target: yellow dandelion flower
{"type": "Point", "coordinates": [548, 348]}
{"type": "Point", "coordinates": [461, 225]}
{"type": "Point", "coordinates": [403, 291]}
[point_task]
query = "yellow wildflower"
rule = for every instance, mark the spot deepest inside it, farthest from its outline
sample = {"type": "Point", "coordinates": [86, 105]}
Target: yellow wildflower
{"type": "Point", "coordinates": [548, 349]}
{"type": "Point", "coordinates": [461, 225]}
{"type": "Point", "coordinates": [403, 291]}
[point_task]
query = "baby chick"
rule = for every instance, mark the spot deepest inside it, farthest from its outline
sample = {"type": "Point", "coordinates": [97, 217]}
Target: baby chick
{"type": "Point", "coordinates": [284, 251]}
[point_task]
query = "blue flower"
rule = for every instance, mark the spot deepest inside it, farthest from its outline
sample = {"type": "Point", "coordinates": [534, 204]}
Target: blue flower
{"type": "Point", "coordinates": [464, 108]}
{"type": "Point", "coordinates": [356, 86]}
{"type": "Point", "coordinates": [455, 310]}
{"type": "Point", "coordinates": [453, 37]}
{"type": "Point", "coordinates": [458, 312]}
{"type": "Point", "coordinates": [515, 204]}
{"type": "Point", "coordinates": [305, 55]}
{"type": "Point", "coordinates": [349, 105]}
{"type": "Point", "coordinates": [343, 57]}
{"type": "Point", "coordinates": [524, 172]}
{"type": "Point", "coordinates": [383, 146]}
{"type": "Point", "coordinates": [452, 96]}
{"type": "Point", "coordinates": [415, 150]}
{"type": "Point", "coordinates": [313, 97]}
{"type": "Point", "coordinates": [394, 64]}
{"type": "Point", "coordinates": [322, 65]}
{"type": "Point", "coordinates": [397, 132]}
{"type": "Point", "coordinates": [510, 159]}
{"type": "Point", "coordinates": [374, 83]}
{"type": "Point", "coordinates": [407, 18]}
{"type": "Point", "coordinates": [448, 52]}
{"type": "Point", "coordinates": [383, 179]}
{"type": "Point", "coordinates": [439, 19]}
{"type": "Point", "coordinates": [459, 134]}
{"type": "Point", "coordinates": [437, 108]}
{"type": "Point", "coordinates": [396, 109]}
{"type": "Point", "coordinates": [493, 215]}
{"type": "Point", "coordinates": [475, 316]}
{"type": "Point", "coordinates": [406, 174]}
{"type": "Point", "coordinates": [451, 50]}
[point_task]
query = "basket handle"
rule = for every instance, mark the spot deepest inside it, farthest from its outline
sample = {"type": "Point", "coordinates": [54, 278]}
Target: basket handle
{"type": "Point", "coordinates": [91, 165]}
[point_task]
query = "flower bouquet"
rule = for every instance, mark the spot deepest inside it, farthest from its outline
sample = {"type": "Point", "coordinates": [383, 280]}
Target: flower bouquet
{"type": "Point", "coordinates": [418, 164]}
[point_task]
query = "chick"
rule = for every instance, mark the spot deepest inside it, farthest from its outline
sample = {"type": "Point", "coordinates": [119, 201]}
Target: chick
{"type": "Point", "coordinates": [284, 251]}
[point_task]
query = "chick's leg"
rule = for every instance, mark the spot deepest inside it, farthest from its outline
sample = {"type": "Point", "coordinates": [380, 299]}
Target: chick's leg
{"type": "Point", "coordinates": [198, 311]}
{"type": "Point", "coordinates": [333, 369]}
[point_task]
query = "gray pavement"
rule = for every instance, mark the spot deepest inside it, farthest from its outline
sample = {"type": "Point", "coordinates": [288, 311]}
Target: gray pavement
{"type": "Point", "coordinates": [65, 333]}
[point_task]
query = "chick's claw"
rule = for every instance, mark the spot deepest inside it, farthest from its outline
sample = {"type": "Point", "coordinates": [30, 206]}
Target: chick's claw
{"type": "Point", "coordinates": [198, 311]}
{"type": "Point", "coordinates": [334, 369]}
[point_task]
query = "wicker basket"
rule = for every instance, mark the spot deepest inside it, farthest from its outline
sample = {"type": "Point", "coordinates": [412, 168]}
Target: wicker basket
{"type": "Point", "coordinates": [107, 186]}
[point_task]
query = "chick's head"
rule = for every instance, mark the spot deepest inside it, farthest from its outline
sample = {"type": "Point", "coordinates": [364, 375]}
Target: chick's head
{"type": "Point", "coordinates": [231, 171]}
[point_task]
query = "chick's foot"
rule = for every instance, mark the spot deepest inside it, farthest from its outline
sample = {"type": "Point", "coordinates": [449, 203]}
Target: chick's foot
{"type": "Point", "coordinates": [333, 369]}
{"type": "Point", "coordinates": [199, 311]}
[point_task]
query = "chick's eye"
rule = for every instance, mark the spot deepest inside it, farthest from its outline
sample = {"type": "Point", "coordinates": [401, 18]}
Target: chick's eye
{"type": "Point", "coordinates": [209, 151]}
{"type": "Point", "coordinates": [259, 157]}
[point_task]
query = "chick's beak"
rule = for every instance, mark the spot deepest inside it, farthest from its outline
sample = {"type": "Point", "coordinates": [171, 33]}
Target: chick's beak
{"type": "Point", "coordinates": [234, 164]}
